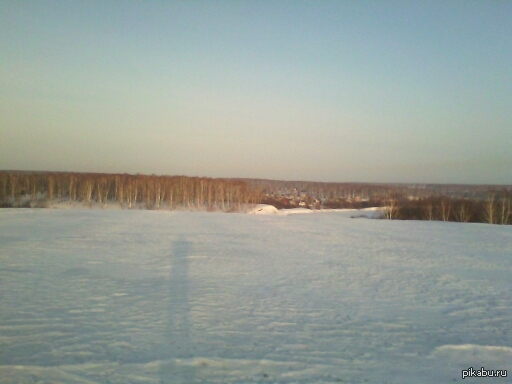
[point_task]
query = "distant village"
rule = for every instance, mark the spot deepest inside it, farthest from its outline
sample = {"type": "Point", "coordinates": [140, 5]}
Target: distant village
{"type": "Point", "coordinates": [316, 195]}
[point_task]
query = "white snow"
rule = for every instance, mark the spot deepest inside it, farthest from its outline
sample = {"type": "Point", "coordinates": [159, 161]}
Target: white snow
{"type": "Point", "coordinates": [263, 209]}
{"type": "Point", "coordinates": [292, 211]}
{"type": "Point", "coordinates": [95, 296]}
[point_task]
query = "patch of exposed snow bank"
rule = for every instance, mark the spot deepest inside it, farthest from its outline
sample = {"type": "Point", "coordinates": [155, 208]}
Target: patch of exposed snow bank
{"type": "Point", "coordinates": [292, 211]}
{"type": "Point", "coordinates": [369, 213]}
{"type": "Point", "coordinates": [264, 209]}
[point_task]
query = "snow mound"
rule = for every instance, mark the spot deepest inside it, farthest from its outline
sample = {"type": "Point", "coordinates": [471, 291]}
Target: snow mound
{"type": "Point", "coordinates": [264, 209]}
{"type": "Point", "coordinates": [369, 213]}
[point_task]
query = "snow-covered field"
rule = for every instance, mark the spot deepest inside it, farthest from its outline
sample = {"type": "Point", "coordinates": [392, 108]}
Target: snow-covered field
{"type": "Point", "coordinates": [129, 296]}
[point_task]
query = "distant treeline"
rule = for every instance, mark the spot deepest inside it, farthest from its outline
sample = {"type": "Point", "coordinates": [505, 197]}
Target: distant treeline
{"type": "Point", "coordinates": [462, 203]}
{"type": "Point", "coordinates": [496, 208]}
{"type": "Point", "coordinates": [42, 189]}
{"type": "Point", "coordinates": [369, 191]}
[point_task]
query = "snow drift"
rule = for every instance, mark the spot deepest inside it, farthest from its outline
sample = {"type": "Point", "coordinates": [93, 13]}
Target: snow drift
{"type": "Point", "coordinates": [263, 209]}
{"type": "Point", "coordinates": [191, 297]}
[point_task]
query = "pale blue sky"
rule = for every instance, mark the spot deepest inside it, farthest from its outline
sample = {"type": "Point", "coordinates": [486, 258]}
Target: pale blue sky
{"type": "Point", "coordinates": [375, 91]}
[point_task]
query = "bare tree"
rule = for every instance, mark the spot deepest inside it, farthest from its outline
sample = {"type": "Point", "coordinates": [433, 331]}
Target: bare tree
{"type": "Point", "coordinates": [25, 184]}
{"type": "Point", "coordinates": [33, 188]}
{"type": "Point", "coordinates": [200, 189]}
{"type": "Point", "coordinates": [14, 186]}
{"type": "Point", "coordinates": [490, 209]}
{"type": "Point", "coordinates": [244, 194]}
{"type": "Point", "coordinates": [170, 190]}
{"type": "Point", "coordinates": [184, 188]}
{"type": "Point", "coordinates": [157, 184]}
{"type": "Point", "coordinates": [391, 209]}
{"type": "Point", "coordinates": [87, 186]}
{"type": "Point", "coordinates": [462, 211]}
{"type": "Point", "coordinates": [219, 192]}
{"type": "Point", "coordinates": [103, 187]}
{"type": "Point", "coordinates": [149, 188]}
{"type": "Point", "coordinates": [4, 177]}
{"type": "Point", "coordinates": [209, 193]}
{"type": "Point", "coordinates": [59, 181]}
{"type": "Point", "coordinates": [228, 190]}
{"type": "Point", "coordinates": [445, 209]}
{"type": "Point", "coordinates": [129, 190]}
{"type": "Point", "coordinates": [135, 185]}
{"type": "Point", "coordinates": [504, 210]}
{"type": "Point", "coordinates": [119, 189]}
{"type": "Point", "coordinates": [72, 187]}
{"type": "Point", "coordinates": [50, 187]}
{"type": "Point", "coordinates": [429, 210]}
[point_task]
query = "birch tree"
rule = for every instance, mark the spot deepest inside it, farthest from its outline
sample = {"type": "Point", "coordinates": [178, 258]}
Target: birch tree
{"type": "Point", "coordinates": [72, 187]}
{"type": "Point", "coordinates": [157, 183]}
{"type": "Point", "coordinates": [504, 210]}
{"type": "Point", "coordinates": [391, 209]}
{"type": "Point", "coordinates": [86, 188]}
{"type": "Point", "coordinates": [33, 188]}
{"type": "Point", "coordinates": [50, 186]}
{"type": "Point", "coordinates": [462, 211]}
{"type": "Point", "coordinates": [119, 181]}
{"type": "Point", "coordinates": [103, 187]}
{"type": "Point", "coordinates": [445, 209]}
{"type": "Point", "coordinates": [490, 209]}
{"type": "Point", "coordinates": [429, 210]}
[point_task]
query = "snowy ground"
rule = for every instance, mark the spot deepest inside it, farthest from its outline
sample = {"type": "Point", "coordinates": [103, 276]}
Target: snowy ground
{"type": "Point", "coordinates": [180, 297]}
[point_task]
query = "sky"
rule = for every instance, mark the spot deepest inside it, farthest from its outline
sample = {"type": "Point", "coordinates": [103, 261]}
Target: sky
{"type": "Point", "coordinates": [339, 91]}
